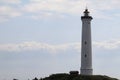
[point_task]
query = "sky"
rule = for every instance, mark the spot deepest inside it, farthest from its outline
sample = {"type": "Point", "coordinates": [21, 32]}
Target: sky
{"type": "Point", "coordinates": [43, 37]}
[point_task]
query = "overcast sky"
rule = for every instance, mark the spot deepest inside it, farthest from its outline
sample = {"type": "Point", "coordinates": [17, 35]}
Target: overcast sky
{"type": "Point", "coordinates": [42, 37]}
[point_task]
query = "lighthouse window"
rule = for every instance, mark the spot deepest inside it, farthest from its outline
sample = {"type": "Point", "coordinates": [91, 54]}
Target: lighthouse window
{"type": "Point", "coordinates": [85, 55]}
{"type": "Point", "coordinates": [85, 42]}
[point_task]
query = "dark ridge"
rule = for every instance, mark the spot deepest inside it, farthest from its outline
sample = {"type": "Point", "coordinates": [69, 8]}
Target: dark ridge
{"type": "Point", "coordinates": [65, 76]}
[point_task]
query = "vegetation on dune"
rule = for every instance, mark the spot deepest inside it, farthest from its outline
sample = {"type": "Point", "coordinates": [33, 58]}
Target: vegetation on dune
{"type": "Point", "coordinates": [76, 77]}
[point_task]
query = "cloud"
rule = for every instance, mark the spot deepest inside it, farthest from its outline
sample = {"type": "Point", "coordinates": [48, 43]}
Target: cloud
{"type": "Point", "coordinates": [109, 45]}
{"type": "Point", "coordinates": [33, 46]}
{"type": "Point", "coordinates": [38, 9]}
{"type": "Point", "coordinates": [7, 12]}
{"type": "Point", "coordinates": [28, 46]}
{"type": "Point", "coordinates": [61, 6]}
{"type": "Point", "coordinates": [102, 5]}
{"type": "Point", "coordinates": [10, 1]}
{"type": "Point", "coordinates": [72, 7]}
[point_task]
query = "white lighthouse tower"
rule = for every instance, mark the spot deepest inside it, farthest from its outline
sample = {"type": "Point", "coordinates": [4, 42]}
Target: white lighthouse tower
{"type": "Point", "coordinates": [86, 48]}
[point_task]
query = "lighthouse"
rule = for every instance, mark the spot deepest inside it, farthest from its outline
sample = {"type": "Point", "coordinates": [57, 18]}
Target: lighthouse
{"type": "Point", "coordinates": [86, 47]}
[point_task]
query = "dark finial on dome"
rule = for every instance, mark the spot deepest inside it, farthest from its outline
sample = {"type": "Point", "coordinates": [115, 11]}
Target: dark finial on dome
{"type": "Point", "coordinates": [86, 15]}
{"type": "Point", "coordinates": [86, 12]}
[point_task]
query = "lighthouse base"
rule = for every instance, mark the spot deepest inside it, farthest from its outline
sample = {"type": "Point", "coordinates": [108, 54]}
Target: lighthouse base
{"type": "Point", "coordinates": [86, 71]}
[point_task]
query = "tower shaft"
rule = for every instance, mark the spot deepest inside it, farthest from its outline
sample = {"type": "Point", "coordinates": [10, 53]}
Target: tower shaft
{"type": "Point", "coordinates": [86, 48]}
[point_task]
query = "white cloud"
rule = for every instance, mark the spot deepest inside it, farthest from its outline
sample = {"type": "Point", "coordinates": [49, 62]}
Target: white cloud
{"type": "Point", "coordinates": [37, 46]}
{"type": "Point", "coordinates": [29, 46]}
{"type": "Point", "coordinates": [7, 12]}
{"type": "Point", "coordinates": [110, 45]}
{"type": "Point", "coordinates": [54, 7]}
{"type": "Point", "coordinates": [10, 1]}
{"type": "Point", "coordinates": [38, 9]}
{"type": "Point", "coordinates": [73, 7]}
{"type": "Point", "coordinates": [61, 6]}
